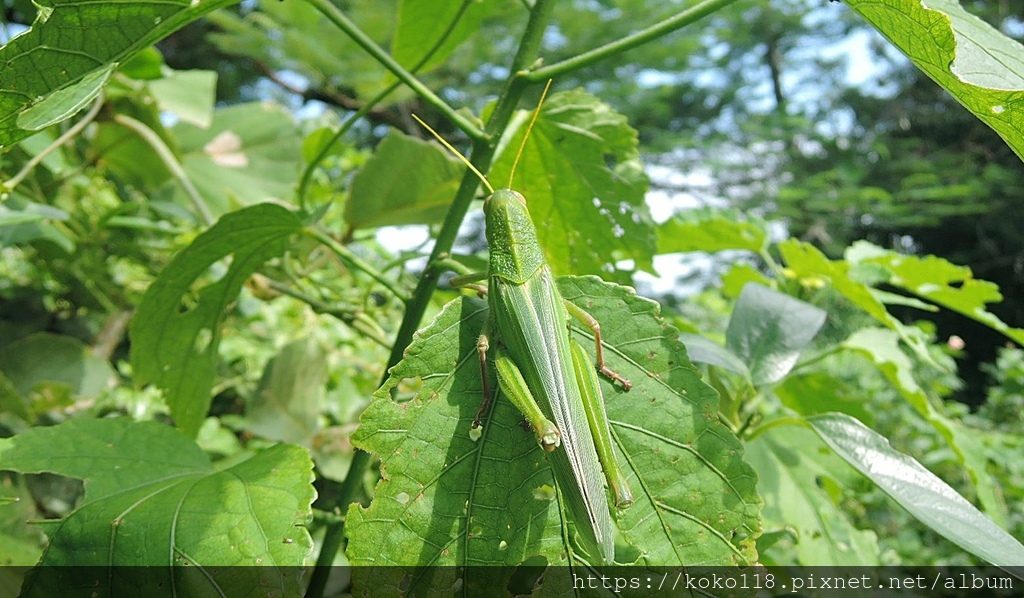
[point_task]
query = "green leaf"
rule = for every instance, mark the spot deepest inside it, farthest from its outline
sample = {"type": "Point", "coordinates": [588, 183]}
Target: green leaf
{"type": "Point", "coordinates": [582, 178]}
{"type": "Point", "coordinates": [711, 230]}
{"type": "Point", "coordinates": [406, 181]}
{"type": "Point", "coordinates": [882, 348]}
{"type": "Point", "coordinates": [251, 153]}
{"type": "Point", "coordinates": [447, 500]}
{"type": "Point", "coordinates": [704, 350]}
{"type": "Point", "coordinates": [64, 103]}
{"type": "Point", "coordinates": [979, 66]}
{"type": "Point", "coordinates": [176, 348]}
{"type": "Point", "coordinates": [790, 469]}
{"type": "Point", "coordinates": [39, 360]}
{"type": "Point", "coordinates": [738, 276]}
{"type": "Point", "coordinates": [73, 40]}
{"type": "Point", "coordinates": [189, 95]}
{"type": "Point", "coordinates": [153, 499]}
{"type": "Point", "coordinates": [423, 23]}
{"type": "Point", "coordinates": [805, 261]}
{"type": "Point", "coordinates": [290, 396]}
{"type": "Point", "coordinates": [769, 329]}
{"type": "Point", "coordinates": [917, 490]}
{"type": "Point", "coordinates": [938, 281]}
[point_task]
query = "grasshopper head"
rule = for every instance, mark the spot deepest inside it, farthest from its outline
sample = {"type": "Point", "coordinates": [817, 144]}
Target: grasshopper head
{"type": "Point", "coordinates": [511, 236]}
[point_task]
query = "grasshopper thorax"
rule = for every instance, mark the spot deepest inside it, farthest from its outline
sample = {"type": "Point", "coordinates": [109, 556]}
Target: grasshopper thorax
{"type": "Point", "coordinates": [515, 253]}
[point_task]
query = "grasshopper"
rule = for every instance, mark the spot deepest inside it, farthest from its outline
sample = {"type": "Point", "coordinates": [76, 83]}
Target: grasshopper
{"type": "Point", "coordinates": [541, 369]}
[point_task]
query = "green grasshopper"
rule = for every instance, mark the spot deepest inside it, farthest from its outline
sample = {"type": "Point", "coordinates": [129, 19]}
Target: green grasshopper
{"type": "Point", "coordinates": [541, 369]}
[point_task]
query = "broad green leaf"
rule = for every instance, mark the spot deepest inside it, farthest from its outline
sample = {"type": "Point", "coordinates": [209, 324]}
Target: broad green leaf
{"type": "Point", "coordinates": [805, 261]}
{"type": "Point", "coordinates": [423, 23]}
{"type": "Point", "coordinates": [251, 153]}
{"type": "Point", "coordinates": [34, 363]}
{"type": "Point", "coordinates": [819, 392]}
{"type": "Point", "coordinates": [73, 40]}
{"type": "Point", "coordinates": [979, 66]}
{"type": "Point", "coordinates": [582, 178]}
{"type": "Point", "coordinates": [175, 346]}
{"type": "Point", "coordinates": [406, 181]}
{"type": "Point", "coordinates": [790, 469]}
{"type": "Point", "coordinates": [918, 490]}
{"type": "Point", "coordinates": [711, 230]}
{"type": "Point", "coordinates": [290, 396]}
{"type": "Point", "coordinates": [447, 500]}
{"type": "Point", "coordinates": [882, 348]}
{"type": "Point", "coordinates": [738, 276]}
{"type": "Point", "coordinates": [295, 36]}
{"type": "Point", "coordinates": [153, 500]}
{"type": "Point", "coordinates": [704, 350]}
{"type": "Point", "coordinates": [938, 281]}
{"type": "Point", "coordinates": [189, 95]}
{"type": "Point", "coordinates": [769, 329]}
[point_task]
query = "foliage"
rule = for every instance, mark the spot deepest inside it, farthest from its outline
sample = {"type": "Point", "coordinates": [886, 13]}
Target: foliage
{"type": "Point", "coordinates": [220, 269]}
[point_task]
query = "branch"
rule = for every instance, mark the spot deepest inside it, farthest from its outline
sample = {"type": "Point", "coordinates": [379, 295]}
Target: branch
{"type": "Point", "coordinates": [659, 30]}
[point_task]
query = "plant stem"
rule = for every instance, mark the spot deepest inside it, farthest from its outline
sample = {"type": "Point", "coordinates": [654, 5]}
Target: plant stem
{"type": "Point", "coordinates": [656, 31]}
{"type": "Point", "coordinates": [368, 106]}
{"type": "Point", "coordinates": [481, 154]}
{"type": "Point", "coordinates": [36, 159]}
{"type": "Point", "coordinates": [172, 164]}
{"type": "Point", "coordinates": [334, 14]}
{"type": "Point", "coordinates": [354, 261]}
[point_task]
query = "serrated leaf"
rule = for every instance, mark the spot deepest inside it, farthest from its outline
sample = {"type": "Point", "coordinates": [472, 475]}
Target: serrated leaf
{"type": "Point", "coordinates": [447, 500]}
{"type": "Point", "coordinates": [583, 181]}
{"type": "Point", "coordinates": [790, 467]}
{"type": "Point", "coordinates": [881, 347]}
{"type": "Point", "coordinates": [405, 181]}
{"type": "Point", "coordinates": [917, 490]}
{"type": "Point", "coordinates": [153, 500]}
{"type": "Point", "coordinates": [769, 329]}
{"type": "Point", "coordinates": [979, 66]}
{"type": "Point", "coordinates": [75, 39]}
{"type": "Point", "coordinates": [176, 349]}
{"type": "Point", "coordinates": [711, 230]}
{"type": "Point", "coordinates": [289, 399]}
{"type": "Point", "coordinates": [250, 153]}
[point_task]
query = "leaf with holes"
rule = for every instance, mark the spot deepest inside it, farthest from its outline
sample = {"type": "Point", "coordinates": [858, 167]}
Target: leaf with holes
{"type": "Point", "coordinates": [176, 348]}
{"type": "Point", "coordinates": [445, 499]}
{"type": "Point", "coordinates": [153, 500]}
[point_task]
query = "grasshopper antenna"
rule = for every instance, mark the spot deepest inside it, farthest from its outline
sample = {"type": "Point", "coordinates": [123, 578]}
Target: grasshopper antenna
{"type": "Point", "coordinates": [533, 120]}
{"type": "Point", "coordinates": [457, 154]}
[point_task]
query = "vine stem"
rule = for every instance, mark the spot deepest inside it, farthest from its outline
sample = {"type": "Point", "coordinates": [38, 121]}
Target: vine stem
{"type": "Point", "coordinates": [172, 164]}
{"type": "Point", "coordinates": [307, 174]}
{"type": "Point", "coordinates": [481, 154]}
{"type": "Point", "coordinates": [336, 16]}
{"type": "Point", "coordinates": [73, 130]}
{"type": "Point", "coordinates": [658, 30]}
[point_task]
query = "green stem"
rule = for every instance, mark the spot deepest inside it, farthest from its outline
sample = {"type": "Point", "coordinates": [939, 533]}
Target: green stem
{"type": "Point", "coordinates": [311, 167]}
{"type": "Point", "coordinates": [36, 159]}
{"type": "Point", "coordinates": [334, 14]}
{"type": "Point", "coordinates": [480, 155]}
{"type": "Point", "coordinates": [354, 261]}
{"type": "Point", "coordinates": [354, 318]}
{"type": "Point", "coordinates": [688, 16]}
{"type": "Point", "coordinates": [171, 162]}
{"type": "Point", "coordinates": [782, 421]}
